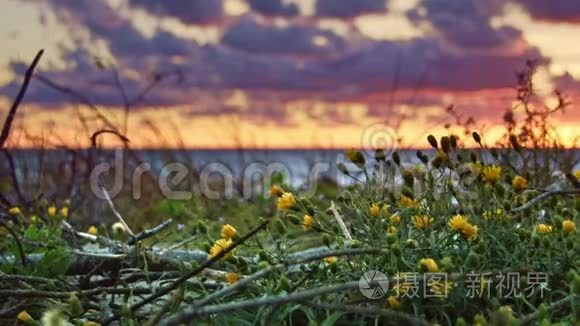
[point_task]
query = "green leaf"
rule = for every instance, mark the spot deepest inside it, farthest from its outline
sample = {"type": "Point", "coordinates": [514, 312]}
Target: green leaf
{"type": "Point", "coordinates": [54, 263]}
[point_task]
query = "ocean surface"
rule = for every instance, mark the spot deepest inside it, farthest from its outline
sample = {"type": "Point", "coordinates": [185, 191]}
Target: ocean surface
{"type": "Point", "coordinates": [297, 165]}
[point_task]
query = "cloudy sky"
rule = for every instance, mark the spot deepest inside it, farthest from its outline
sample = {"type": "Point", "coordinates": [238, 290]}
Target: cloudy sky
{"type": "Point", "coordinates": [280, 73]}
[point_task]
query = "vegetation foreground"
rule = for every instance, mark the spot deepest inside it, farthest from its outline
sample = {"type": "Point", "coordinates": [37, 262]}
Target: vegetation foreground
{"type": "Point", "coordinates": [485, 236]}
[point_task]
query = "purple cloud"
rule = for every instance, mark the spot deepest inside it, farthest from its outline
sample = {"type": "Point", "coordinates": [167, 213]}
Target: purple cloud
{"type": "Point", "coordinates": [251, 36]}
{"type": "Point", "coordinates": [553, 10]}
{"type": "Point", "coordinates": [349, 8]}
{"type": "Point", "coordinates": [187, 11]}
{"type": "Point", "coordinates": [467, 22]}
{"type": "Point", "coordinates": [274, 8]}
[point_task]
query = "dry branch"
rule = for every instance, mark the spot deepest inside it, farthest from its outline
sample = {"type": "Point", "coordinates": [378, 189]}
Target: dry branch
{"type": "Point", "coordinates": [18, 99]}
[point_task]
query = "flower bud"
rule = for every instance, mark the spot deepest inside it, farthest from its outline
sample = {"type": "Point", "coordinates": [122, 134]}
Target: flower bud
{"type": "Point", "coordinates": [76, 307]}
{"type": "Point", "coordinates": [396, 158]}
{"type": "Point", "coordinates": [432, 141]}
{"type": "Point", "coordinates": [476, 137]}
{"type": "Point", "coordinates": [445, 144]}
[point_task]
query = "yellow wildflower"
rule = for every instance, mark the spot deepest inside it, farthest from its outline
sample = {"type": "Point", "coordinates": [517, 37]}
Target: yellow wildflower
{"type": "Point", "coordinates": [24, 316]}
{"type": "Point", "coordinates": [15, 211]}
{"type": "Point", "coordinates": [118, 228]}
{"type": "Point", "coordinates": [286, 201]}
{"type": "Point", "coordinates": [394, 303]}
{"type": "Point", "coordinates": [34, 219]}
{"type": "Point", "coordinates": [64, 211]}
{"type": "Point", "coordinates": [469, 231]}
{"type": "Point", "coordinates": [568, 226]}
{"type": "Point", "coordinates": [519, 183]}
{"type": "Point", "coordinates": [307, 222]}
{"type": "Point", "coordinates": [423, 221]}
{"type": "Point", "coordinates": [375, 210]}
{"type": "Point", "coordinates": [232, 277]}
{"type": "Point", "coordinates": [429, 265]}
{"type": "Point", "coordinates": [457, 222]}
{"type": "Point", "coordinates": [51, 211]}
{"type": "Point", "coordinates": [392, 230]}
{"type": "Point", "coordinates": [395, 219]}
{"type": "Point", "coordinates": [219, 246]}
{"type": "Point", "coordinates": [93, 230]}
{"type": "Point", "coordinates": [228, 231]}
{"type": "Point", "coordinates": [407, 202]}
{"type": "Point", "coordinates": [543, 228]}
{"type": "Point", "coordinates": [276, 191]}
{"type": "Point", "coordinates": [577, 174]}
{"type": "Point", "coordinates": [330, 260]}
{"type": "Point", "coordinates": [491, 173]}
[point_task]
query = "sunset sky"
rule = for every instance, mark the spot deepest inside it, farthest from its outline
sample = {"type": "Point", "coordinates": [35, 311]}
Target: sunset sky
{"type": "Point", "coordinates": [281, 74]}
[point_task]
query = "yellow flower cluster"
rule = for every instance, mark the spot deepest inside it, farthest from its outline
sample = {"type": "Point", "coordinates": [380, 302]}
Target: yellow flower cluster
{"type": "Point", "coordinates": [92, 230]}
{"type": "Point", "coordinates": [219, 246]}
{"type": "Point", "coordinates": [429, 265]}
{"type": "Point", "coordinates": [568, 226]}
{"type": "Point", "coordinates": [491, 174]}
{"type": "Point", "coordinates": [232, 277]}
{"type": "Point", "coordinates": [460, 224]}
{"type": "Point", "coordinates": [24, 316]}
{"type": "Point", "coordinates": [394, 303]}
{"type": "Point", "coordinates": [276, 191]}
{"type": "Point", "coordinates": [286, 201]}
{"type": "Point", "coordinates": [543, 228]}
{"type": "Point", "coordinates": [407, 202]}
{"type": "Point", "coordinates": [307, 222]}
{"type": "Point", "coordinates": [395, 219]}
{"type": "Point", "coordinates": [375, 210]}
{"type": "Point", "coordinates": [228, 231]}
{"type": "Point", "coordinates": [422, 221]}
{"type": "Point", "coordinates": [519, 183]}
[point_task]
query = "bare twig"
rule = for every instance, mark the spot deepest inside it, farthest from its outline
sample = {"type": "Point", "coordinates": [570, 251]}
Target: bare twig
{"type": "Point", "coordinates": [13, 176]}
{"type": "Point", "coordinates": [168, 289]}
{"type": "Point", "coordinates": [528, 319]}
{"type": "Point", "coordinates": [295, 261]}
{"type": "Point", "coordinates": [66, 294]}
{"type": "Point", "coordinates": [340, 221]}
{"type": "Point", "coordinates": [543, 196]}
{"type": "Point", "coordinates": [96, 134]}
{"type": "Point", "coordinates": [18, 99]}
{"type": "Point", "coordinates": [179, 244]}
{"type": "Point", "coordinates": [119, 217]}
{"type": "Point", "coordinates": [263, 301]}
{"type": "Point", "coordinates": [300, 296]}
{"type": "Point", "coordinates": [149, 232]}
